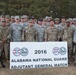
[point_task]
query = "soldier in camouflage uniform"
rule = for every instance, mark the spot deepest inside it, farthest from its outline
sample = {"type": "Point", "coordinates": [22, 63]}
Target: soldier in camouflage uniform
{"type": "Point", "coordinates": [22, 21]}
{"type": "Point", "coordinates": [73, 44]}
{"type": "Point", "coordinates": [7, 18]}
{"type": "Point", "coordinates": [30, 33]}
{"type": "Point", "coordinates": [74, 40]}
{"type": "Point", "coordinates": [45, 25]}
{"type": "Point", "coordinates": [67, 36]}
{"type": "Point", "coordinates": [59, 28]}
{"type": "Point", "coordinates": [41, 29]}
{"type": "Point", "coordinates": [16, 31]}
{"type": "Point", "coordinates": [12, 19]}
{"type": "Point", "coordinates": [1, 47]}
{"type": "Point", "coordinates": [63, 22]}
{"type": "Point", "coordinates": [51, 33]}
{"type": "Point", "coordinates": [57, 22]}
{"type": "Point", "coordinates": [25, 20]}
{"type": "Point", "coordinates": [6, 37]}
{"type": "Point", "coordinates": [2, 17]}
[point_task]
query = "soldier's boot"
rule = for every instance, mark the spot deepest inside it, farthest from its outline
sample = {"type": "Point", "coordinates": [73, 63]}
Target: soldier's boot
{"type": "Point", "coordinates": [2, 63]}
{"type": "Point", "coordinates": [70, 60]}
{"type": "Point", "coordinates": [75, 57]}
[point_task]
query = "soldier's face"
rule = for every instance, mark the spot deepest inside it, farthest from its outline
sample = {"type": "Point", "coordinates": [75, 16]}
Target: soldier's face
{"type": "Point", "coordinates": [52, 23]}
{"type": "Point", "coordinates": [25, 19]}
{"type": "Point", "coordinates": [44, 22]}
{"type": "Point", "coordinates": [63, 20]}
{"type": "Point", "coordinates": [3, 23]}
{"type": "Point", "coordinates": [30, 23]}
{"type": "Point", "coordinates": [40, 22]}
{"type": "Point", "coordinates": [12, 19]}
{"type": "Point", "coordinates": [68, 23]}
{"type": "Point", "coordinates": [22, 19]}
{"type": "Point", "coordinates": [7, 19]}
{"type": "Point", "coordinates": [57, 22]}
{"type": "Point", "coordinates": [33, 20]}
{"type": "Point", "coordinates": [74, 22]}
{"type": "Point", "coordinates": [17, 20]}
{"type": "Point", "coordinates": [49, 19]}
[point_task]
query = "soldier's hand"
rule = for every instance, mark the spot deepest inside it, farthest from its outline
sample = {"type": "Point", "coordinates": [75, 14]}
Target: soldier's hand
{"type": "Point", "coordinates": [75, 42]}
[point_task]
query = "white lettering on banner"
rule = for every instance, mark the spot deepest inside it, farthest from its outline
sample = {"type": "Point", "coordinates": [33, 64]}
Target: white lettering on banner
{"type": "Point", "coordinates": [25, 55]}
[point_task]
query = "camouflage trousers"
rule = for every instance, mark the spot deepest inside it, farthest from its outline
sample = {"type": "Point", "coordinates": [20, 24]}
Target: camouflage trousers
{"type": "Point", "coordinates": [1, 49]}
{"type": "Point", "coordinates": [75, 53]}
{"type": "Point", "coordinates": [69, 48]}
{"type": "Point", "coordinates": [6, 50]}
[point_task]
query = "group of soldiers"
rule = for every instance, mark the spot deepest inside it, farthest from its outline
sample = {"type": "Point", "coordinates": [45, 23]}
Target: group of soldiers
{"type": "Point", "coordinates": [23, 29]}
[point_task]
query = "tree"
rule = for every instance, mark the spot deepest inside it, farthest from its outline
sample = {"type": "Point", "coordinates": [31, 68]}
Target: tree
{"type": "Point", "coordinates": [39, 8]}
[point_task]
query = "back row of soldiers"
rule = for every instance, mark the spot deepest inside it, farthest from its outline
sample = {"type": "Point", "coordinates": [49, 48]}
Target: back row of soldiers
{"type": "Point", "coordinates": [41, 30]}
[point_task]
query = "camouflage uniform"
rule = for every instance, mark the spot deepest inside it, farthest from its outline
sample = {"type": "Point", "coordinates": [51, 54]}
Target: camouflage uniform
{"type": "Point", "coordinates": [45, 25]}
{"type": "Point", "coordinates": [41, 31]}
{"type": "Point", "coordinates": [63, 25]}
{"type": "Point", "coordinates": [16, 31]}
{"type": "Point", "coordinates": [74, 40]}
{"type": "Point", "coordinates": [1, 43]}
{"type": "Point", "coordinates": [67, 36]}
{"type": "Point", "coordinates": [8, 24]}
{"type": "Point", "coordinates": [30, 34]}
{"type": "Point", "coordinates": [6, 35]}
{"type": "Point", "coordinates": [8, 44]}
{"type": "Point", "coordinates": [60, 32]}
{"type": "Point", "coordinates": [12, 17]}
{"type": "Point", "coordinates": [51, 34]}
{"type": "Point", "coordinates": [1, 48]}
{"type": "Point", "coordinates": [7, 17]}
{"type": "Point", "coordinates": [59, 28]}
{"type": "Point", "coordinates": [26, 22]}
{"type": "Point", "coordinates": [74, 28]}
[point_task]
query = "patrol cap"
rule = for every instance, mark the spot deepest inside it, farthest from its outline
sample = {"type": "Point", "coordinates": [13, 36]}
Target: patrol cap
{"type": "Point", "coordinates": [12, 16]}
{"type": "Point", "coordinates": [16, 17]}
{"type": "Point", "coordinates": [67, 21]}
{"type": "Point", "coordinates": [22, 16]}
{"type": "Point", "coordinates": [2, 16]}
{"type": "Point", "coordinates": [44, 19]}
{"type": "Point", "coordinates": [40, 19]}
{"type": "Point", "coordinates": [7, 16]}
{"type": "Point", "coordinates": [50, 17]}
{"type": "Point", "coordinates": [70, 19]}
{"type": "Point", "coordinates": [25, 16]}
{"type": "Point", "coordinates": [74, 19]}
{"type": "Point", "coordinates": [52, 20]}
{"type": "Point", "coordinates": [63, 17]}
{"type": "Point", "coordinates": [30, 21]}
{"type": "Point", "coordinates": [32, 17]}
{"type": "Point", "coordinates": [57, 19]}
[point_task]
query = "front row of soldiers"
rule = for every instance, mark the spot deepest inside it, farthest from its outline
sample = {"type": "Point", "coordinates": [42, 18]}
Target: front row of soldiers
{"type": "Point", "coordinates": [37, 32]}
{"type": "Point", "coordinates": [4, 37]}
